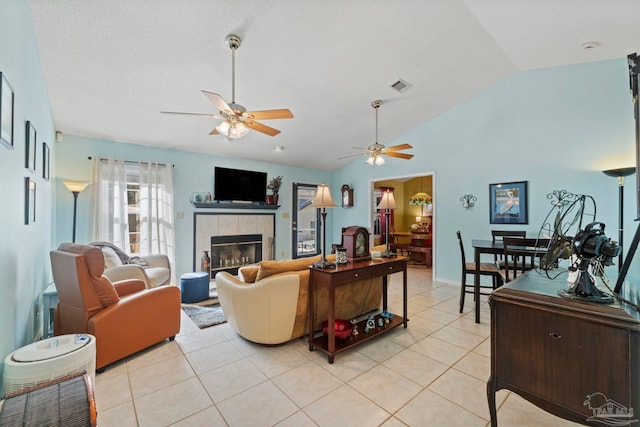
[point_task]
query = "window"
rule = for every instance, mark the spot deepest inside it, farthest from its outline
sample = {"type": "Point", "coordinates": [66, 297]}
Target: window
{"type": "Point", "coordinates": [133, 208]}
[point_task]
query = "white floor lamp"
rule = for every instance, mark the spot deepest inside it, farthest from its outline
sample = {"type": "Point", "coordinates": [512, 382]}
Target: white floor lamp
{"type": "Point", "coordinates": [387, 202]}
{"type": "Point", "coordinates": [75, 188]}
{"type": "Point", "coordinates": [323, 200]}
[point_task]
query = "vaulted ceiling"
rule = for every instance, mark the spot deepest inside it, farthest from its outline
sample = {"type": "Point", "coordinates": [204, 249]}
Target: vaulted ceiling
{"type": "Point", "coordinates": [112, 66]}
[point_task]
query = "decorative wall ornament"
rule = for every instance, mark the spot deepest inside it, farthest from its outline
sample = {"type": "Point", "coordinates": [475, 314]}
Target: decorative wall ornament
{"type": "Point", "coordinates": [468, 200]}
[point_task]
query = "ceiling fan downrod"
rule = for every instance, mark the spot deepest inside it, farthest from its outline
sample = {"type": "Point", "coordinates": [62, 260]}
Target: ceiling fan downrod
{"type": "Point", "coordinates": [233, 42]}
{"type": "Point", "coordinates": [376, 104]}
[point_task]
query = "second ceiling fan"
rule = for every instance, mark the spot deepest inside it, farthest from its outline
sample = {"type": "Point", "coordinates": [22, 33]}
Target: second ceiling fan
{"type": "Point", "coordinates": [377, 150]}
{"type": "Point", "coordinates": [237, 120]}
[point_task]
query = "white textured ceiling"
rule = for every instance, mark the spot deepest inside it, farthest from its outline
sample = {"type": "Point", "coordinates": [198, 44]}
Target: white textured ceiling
{"type": "Point", "coordinates": [111, 66]}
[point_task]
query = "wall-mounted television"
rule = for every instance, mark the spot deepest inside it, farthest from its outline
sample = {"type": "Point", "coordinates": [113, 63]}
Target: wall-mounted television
{"type": "Point", "coordinates": [236, 185]}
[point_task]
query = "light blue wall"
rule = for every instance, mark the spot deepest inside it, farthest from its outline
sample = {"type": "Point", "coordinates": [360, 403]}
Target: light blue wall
{"type": "Point", "coordinates": [192, 172]}
{"type": "Point", "coordinates": [556, 128]}
{"type": "Point", "coordinates": [24, 249]}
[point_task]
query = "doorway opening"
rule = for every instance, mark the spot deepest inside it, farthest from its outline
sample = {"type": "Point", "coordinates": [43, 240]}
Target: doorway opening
{"type": "Point", "coordinates": [413, 221]}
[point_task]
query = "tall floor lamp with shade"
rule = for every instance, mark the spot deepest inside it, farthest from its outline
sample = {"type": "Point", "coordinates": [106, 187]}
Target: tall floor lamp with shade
{"type": "Point", "coordinates": [387, 202]}
{"type": "Point", "coordinates": [76, 188]}
{"type": "Point", "coordinates": [323, 200]}
{"type": "Point", "coordinates": [620, 173]}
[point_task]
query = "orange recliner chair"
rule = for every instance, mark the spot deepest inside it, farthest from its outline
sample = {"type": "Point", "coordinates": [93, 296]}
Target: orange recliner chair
{"type": "Point", "coordinates": [123, 316]}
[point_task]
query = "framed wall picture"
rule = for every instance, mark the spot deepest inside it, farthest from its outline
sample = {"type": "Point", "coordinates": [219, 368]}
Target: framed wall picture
{"type": "Point", "coordinates": [30, 147]}
{"type": "Point", "coordinates": [6, 112]}
{"type": "Point", "coordinates": [46, 162]}
{"type": "Point", "coordinates": [29, 200]}
{"type": "Point", "coordinates": [508, 203]}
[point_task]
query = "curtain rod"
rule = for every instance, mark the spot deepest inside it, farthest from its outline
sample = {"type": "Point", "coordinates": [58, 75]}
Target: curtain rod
{"type": "Point", "coordinates": [131, 162]}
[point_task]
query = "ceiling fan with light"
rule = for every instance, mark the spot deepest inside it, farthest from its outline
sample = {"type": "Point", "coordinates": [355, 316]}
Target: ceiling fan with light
{"type": "Point", "coordinates": [237, 120]}
{"type": "Point", "coordinates": [377, 150]}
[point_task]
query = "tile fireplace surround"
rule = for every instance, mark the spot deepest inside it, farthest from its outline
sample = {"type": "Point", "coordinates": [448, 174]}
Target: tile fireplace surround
{"type": "Point", "coordinates": [206, 225]}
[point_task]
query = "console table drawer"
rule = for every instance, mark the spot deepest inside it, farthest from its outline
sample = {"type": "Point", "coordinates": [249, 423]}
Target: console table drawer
{"type": "Point", "coordinates": [351, 276]}
{"type": "Point", "coordinates": [384, 269]}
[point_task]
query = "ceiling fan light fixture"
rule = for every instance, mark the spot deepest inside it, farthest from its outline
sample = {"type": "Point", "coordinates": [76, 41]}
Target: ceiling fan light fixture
{"type": "Point", "coordinates": [237, 130]}
{"type": "Point", "coordinates": [371, 159]}
{"type": "Point", "coordinates": [379, 160]}
{"type": "Point", "coordinates": [223, 128]}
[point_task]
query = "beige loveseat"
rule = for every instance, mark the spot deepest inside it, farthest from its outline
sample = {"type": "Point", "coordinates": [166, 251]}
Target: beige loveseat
{"type": "Point", "coordinates": [267, 303]}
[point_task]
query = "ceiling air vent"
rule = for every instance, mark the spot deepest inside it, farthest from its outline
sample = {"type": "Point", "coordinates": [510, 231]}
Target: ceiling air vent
{"type": "Point", "coordinates": [401, 86]}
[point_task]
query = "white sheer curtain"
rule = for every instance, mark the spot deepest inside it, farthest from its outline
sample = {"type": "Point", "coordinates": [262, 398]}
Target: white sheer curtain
{"type": "Point", "coordinates": [152, 209]}
{"type": "Point", "coordinates": [108, 202]}
{"type": "Point", "coordinates": [156, 210]}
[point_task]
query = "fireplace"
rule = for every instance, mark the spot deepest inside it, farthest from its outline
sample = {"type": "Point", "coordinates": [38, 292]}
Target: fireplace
{"type": "Point", "coordinates": [226, 224]}
{"type": "Point", "coordinates": [228, 253]}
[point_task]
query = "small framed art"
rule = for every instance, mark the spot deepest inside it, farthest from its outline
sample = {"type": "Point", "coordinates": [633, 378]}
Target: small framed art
{"type": "Point", "coordinates": [6, 112]}
{"type": "Point", "coordinates": [46, 162]}
{"type": "Point", "coordinates": [508, 203]}
{"type": "Point", "coordinates": [30, 147]}
{"type": "Point", "coordinates": [29, 200]}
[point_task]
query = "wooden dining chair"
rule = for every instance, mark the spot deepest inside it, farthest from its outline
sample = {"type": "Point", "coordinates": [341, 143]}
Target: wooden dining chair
{"type": "Point", "coordinates": [498, 236]}
{"type": "Point", "coordinates": [394, 239]}
{"type": "Point", "coordinates": [522, 254]}
{"type": "Point", "coordinates": [485, 269]}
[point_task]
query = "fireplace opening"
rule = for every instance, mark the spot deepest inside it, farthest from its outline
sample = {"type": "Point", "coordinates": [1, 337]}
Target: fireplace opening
{"type": "Point", "coordinates": [228, 253]}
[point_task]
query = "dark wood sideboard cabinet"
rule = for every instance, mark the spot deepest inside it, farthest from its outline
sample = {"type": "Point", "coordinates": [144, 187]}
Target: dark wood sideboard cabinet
{"type": "Point", "coordinates": [574, 359]}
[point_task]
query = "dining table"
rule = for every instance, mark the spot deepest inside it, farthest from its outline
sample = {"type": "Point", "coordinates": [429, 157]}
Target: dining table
{"type": "Point", "coordinates": [489, 246]}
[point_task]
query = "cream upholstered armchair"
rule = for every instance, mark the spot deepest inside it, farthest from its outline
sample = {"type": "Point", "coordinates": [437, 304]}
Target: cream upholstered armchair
{"type": "Point", "coordinates": [263, 312]}
{"type": "Point", "coordinates": [153, 270]}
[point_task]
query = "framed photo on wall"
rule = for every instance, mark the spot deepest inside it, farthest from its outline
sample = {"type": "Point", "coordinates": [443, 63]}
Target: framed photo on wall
{"type": "Point", "coordinates": [30, 147]}
{"type": "Point", "coordinates": [6, 112]}
{"type": "Point", "coordinates": [29, 200]}
{"type": "Point", "coordinates": [508, 203]}
{"type": "Point", "coordinates": [46, 162]}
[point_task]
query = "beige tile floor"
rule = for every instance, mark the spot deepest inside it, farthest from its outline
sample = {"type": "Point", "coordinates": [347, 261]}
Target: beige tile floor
{"type": "Point", "coordinates": [433, 373]}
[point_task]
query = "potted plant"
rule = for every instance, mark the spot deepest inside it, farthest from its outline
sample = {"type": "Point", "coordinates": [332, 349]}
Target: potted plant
{"type": "Point", "coordinates": [274, 185]}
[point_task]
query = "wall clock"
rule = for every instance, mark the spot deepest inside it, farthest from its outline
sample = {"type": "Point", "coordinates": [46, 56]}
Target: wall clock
{"type": "Point", "coordinates": [347, 196]}
{"type": "Point", "coordinates": [356, 241]}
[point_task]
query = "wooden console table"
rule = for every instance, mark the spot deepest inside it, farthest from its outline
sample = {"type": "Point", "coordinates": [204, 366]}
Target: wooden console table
{"type": "Point", "coordinates": [574, 359]}
{"type": "Point", "coordinates": [341, 275]}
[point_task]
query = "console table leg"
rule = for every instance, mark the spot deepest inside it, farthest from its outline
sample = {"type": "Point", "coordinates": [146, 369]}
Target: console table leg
{"type": "Point", "coordinates": [491, 399]}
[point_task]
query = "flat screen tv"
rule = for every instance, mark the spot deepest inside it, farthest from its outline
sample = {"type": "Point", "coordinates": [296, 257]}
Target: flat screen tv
{"type": "Point", "coordinates": [235, 185]}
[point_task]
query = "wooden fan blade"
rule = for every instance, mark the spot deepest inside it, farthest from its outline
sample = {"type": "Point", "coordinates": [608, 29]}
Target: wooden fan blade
{"type": "Point", "coordinates": [193, 114]}
{"type": "Point", "coordinates": [262, 128]}
{"type": "Point", "coordinates": [269, 114]}
{"type": "Point", "coordinates": [398, 147]}
{"type": "Point", "coordinates": [218, 101]}
{"type": "Point", "coordinates": [399, 155]}
{"type": "Point", "coordinates": [214, 132]}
